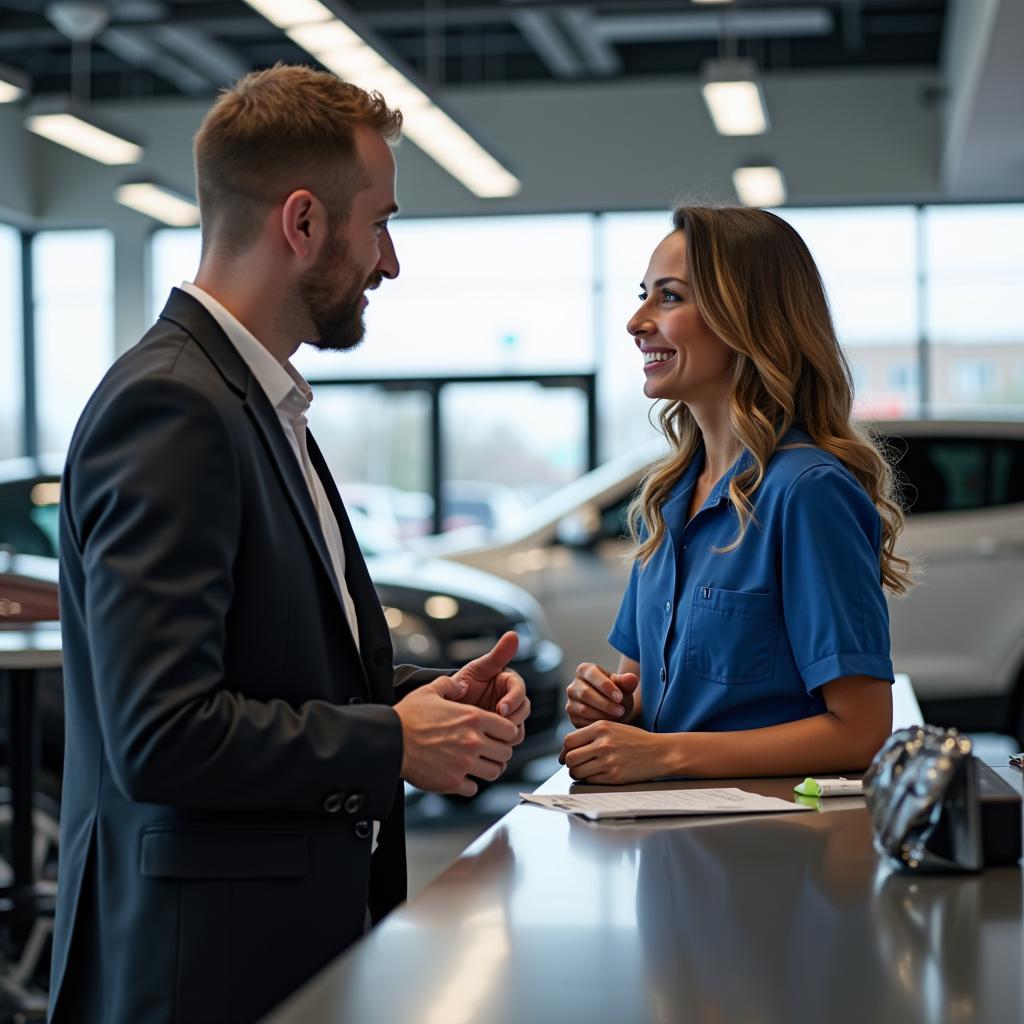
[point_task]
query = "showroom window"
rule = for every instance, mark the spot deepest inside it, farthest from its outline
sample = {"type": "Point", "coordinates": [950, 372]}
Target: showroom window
{"type": "Point", "coordinates": [173, 258]}
{"type": "Point", "coordinates": [494, 295]}
{"type": "Point", "coordinates": [11, 370]}
{"type": "Point", "coordinates": [625, 243]}
{"type": "Point", "coordinates": [975, 303]}
{"type": "Point", "coordinates": [524, 296]}
{"type": "Point", "coordinates": [73, 285]}
{"type": "Point", "coordinates": [457, 308]}
{"type": "Point", "coordinates": [868, 259]}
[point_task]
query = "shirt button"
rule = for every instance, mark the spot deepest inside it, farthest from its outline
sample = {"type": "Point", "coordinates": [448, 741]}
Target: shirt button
{"type": "Point", "coordinates": [333, 802]}
{"type": "Point", "coordinates": [363, 830]}
{"type": "Point", "coordinates": [663, 673]}
{"type": "Point", "coordinates": [354, 802]}
{"type": "Point", "coordinates": [356, 700]}
{"type": "Point", "coordinates": [668, 607]}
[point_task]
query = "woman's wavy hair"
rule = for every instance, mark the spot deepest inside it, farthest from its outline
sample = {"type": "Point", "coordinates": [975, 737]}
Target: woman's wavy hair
{"type": "Point", "coordinates": [757, 288]}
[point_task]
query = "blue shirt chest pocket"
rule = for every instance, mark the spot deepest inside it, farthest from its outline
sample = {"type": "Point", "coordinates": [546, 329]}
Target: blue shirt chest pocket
{"type": "Point", "coordinates": [731, 635]}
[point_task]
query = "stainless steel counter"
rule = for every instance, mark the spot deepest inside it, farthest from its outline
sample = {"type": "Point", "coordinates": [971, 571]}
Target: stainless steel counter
{"type": "Point", "coordinates": [778, 919]}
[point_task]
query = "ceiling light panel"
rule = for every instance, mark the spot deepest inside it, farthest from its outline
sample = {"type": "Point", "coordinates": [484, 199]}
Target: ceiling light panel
{"type": "Point", "coordinates": [78, 131]}
{"type": "Point", "coordinates": [288, 13]}
{"type": "Point", "coordinates": [9, 92]}
{"type": "Point", "coordinates": [761, 185]}
{"type": "Point", "coordinates": [338, 47]}
{"type": "Point", "coordinates": [732, 92]}
{"type": "Point", "coordinates": [13, 85]}
{"type": "Point", "coordinates": [159, 202]}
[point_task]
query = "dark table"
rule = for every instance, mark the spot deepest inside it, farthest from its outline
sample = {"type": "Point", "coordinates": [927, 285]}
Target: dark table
{"type": "Point", "coordinates": [777, 919]}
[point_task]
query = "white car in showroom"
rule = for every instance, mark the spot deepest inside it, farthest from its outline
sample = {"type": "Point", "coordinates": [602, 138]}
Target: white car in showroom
{"type": "Point", "coordinates": [959, 634]}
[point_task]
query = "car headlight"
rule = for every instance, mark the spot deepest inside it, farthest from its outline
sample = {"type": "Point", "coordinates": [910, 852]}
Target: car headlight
{"type": "Point", "coordinates": [413, 640]}
{"type": "Point", "coordinates": [467, 648]}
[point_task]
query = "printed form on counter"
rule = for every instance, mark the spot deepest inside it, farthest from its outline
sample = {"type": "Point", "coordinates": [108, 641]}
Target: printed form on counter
{"type": "Point", "coordinates": [662, 803]}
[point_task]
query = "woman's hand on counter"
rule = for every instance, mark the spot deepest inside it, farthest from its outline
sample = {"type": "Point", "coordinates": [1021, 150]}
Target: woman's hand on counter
{"type": "Point", "coordinates": [596, 695]}
{"type": "Point", "coordinates": [612, 753]}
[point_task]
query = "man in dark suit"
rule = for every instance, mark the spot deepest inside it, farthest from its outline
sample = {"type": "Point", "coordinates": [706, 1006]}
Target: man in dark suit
{"type": "Point", "coordinates": [237, 735]}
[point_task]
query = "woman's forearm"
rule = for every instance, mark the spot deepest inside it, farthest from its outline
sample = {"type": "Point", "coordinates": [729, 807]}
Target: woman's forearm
{"type": "Point", "coordinates": [823, 743]}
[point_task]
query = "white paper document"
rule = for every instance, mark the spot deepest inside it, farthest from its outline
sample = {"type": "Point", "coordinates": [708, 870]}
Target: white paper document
{"type": "Point", "coordinates": [663, 802]}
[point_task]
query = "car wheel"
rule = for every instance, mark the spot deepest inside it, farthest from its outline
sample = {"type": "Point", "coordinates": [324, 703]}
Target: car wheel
{"type": "Point", "coordinates": [46, 828]}
{"type": "Point", "coordinates": [25, 956]}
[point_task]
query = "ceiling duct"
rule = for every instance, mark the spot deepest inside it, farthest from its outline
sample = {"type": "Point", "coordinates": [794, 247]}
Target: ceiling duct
{"type": "Point", "coordinates": [764, 24]}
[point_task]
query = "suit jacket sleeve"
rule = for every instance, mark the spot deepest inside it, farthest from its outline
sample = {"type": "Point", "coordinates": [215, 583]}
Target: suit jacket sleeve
{"type": "Point", "coordinates": [154, 514]}
{"type": "Point", "coordinates": [409, 677]}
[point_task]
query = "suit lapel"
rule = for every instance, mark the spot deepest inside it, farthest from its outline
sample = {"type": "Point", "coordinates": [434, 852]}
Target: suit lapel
{"type": "Point", "coordinates": [191, 316]}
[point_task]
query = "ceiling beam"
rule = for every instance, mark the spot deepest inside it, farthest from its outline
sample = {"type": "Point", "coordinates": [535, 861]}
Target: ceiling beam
{"type": "Point", "coordinates": [649, 28]}
{"type": "Point", "coordinates": [539, 30]}
{"type": "Point", "coordinates": [219, 63]}
{"type": "Point", "coordinates": [134, 48]}
{"type": "Point", "coordinates": [599, 54]}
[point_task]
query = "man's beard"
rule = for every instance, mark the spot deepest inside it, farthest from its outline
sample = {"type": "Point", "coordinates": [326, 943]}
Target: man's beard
{"type": "Point", "coordinates": [338, 321]}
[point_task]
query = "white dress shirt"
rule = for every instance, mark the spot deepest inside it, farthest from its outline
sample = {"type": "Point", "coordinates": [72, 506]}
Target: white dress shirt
{"type": "Point", "coordinates": [290, 396]}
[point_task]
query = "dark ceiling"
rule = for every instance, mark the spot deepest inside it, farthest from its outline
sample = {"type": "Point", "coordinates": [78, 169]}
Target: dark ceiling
{"type": "Point", "coordinates": [193, 47]}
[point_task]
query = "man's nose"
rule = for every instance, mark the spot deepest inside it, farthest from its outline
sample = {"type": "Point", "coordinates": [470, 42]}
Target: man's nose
{"type": "Point", "coordinates": [387, 265]}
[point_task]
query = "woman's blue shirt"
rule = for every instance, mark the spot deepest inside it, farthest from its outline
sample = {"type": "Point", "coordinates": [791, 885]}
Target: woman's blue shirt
{"type": "Point", "coordinates": [745, 638]}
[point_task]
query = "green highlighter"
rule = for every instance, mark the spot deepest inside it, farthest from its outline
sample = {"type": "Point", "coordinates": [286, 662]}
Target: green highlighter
{"type": "Point", "coordinates": [829, 787]}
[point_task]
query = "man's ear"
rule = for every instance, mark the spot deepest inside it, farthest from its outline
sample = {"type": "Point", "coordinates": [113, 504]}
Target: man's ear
{"type": "Point", "coordinates": [303, 224]}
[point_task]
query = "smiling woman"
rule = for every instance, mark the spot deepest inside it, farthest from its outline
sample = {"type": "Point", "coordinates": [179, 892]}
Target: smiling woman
{"type": "Point", "coordinates": [754, 630]}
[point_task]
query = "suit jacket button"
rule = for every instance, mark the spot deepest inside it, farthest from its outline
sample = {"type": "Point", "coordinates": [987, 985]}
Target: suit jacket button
{"type": "Point", "coordinates": [356, 700]}
{"type": "Point", "coordinates": [354, 802]}
{"type": "Point", "coordinates": [363, 830]}
{"type": "Point", "coordinates": [333, 802]}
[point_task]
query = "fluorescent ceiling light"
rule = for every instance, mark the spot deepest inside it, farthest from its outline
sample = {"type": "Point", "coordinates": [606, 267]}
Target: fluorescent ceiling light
{"type": "Point", "coordinates": [759, 186]}
{"type": "Point", "coordinates": [13, 85]}
{"type": "Point", "coordinates": [286, 13]}
{"type": "Point", "coordinates": [732, 92]}
{"type": "Point", "coordinates": [159, 202]}
{"type": "Point", "coordinates": [71, 126]}
{"type": "Point", "coordinates": [324, 37]}
{"type": "Point", "coordinates": [338, 47]}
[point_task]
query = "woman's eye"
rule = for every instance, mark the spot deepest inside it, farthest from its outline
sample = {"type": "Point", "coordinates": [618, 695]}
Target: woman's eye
{"type": "Point", "coordinates": [669, 296]}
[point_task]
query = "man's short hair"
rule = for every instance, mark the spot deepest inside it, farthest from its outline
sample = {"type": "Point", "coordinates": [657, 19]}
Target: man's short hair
{"type": "Point", "coordinates": [275, 131]}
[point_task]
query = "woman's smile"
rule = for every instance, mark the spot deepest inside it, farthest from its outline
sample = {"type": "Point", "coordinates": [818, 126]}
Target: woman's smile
{"type": "Point", "coordinates": [656, 360]}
